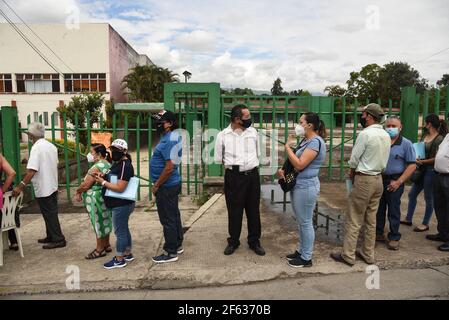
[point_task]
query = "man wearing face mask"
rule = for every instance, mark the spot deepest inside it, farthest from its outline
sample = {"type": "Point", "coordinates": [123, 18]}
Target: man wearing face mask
{"type": "Point", "coordinates": [42, 171]}
{"type": "Point", "coordinates": [237, 147]}
{"type": "Point", "coordinates": [368, 160]}
{"type": "Point", "coordinates": [167, 184]}
{"type": "Point", "coordinates": [401, 165]}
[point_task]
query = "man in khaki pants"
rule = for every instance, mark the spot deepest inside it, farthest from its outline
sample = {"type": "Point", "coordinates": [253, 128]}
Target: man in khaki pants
{"type": "Point", "coordinates": [368, 159]}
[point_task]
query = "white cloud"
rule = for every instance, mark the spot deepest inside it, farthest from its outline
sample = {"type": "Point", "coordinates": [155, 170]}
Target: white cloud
{"type": "Point", "coordinates": [247, 43]}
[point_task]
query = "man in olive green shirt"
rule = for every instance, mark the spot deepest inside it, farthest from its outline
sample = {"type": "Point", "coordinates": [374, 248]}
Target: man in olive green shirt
{"type": "Point", "coordinates": [369, 159]}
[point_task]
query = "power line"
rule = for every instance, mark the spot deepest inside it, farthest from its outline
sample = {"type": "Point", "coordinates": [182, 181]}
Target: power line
{"type": "Point", "coordinates": [24, 37]}
{"type": "Point", "coordinates": [4, 1]}
{"type": "Point", "coordinates": [433, 55]}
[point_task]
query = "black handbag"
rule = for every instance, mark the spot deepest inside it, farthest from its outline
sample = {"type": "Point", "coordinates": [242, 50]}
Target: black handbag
{"type": "Point", "coordinates": [418, 175]}
{"type": "Point", "coordinates": [290, 173]}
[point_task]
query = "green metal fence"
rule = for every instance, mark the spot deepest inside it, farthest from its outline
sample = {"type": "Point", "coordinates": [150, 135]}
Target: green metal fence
{"type": "Point", "coordinates": [193, 103]}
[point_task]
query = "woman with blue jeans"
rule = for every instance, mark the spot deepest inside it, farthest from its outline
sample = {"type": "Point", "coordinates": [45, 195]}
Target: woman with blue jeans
{"type": "Point", "coordinates": [121, 209]}
{"type": "Point", "coordinates": [435, 131]}
{"type": "Point", "coordinates": [307, 160]}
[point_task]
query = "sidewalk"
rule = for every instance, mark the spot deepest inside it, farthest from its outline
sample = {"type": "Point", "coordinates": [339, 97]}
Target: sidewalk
{"type": "Point", "coordinates": [203, 263]}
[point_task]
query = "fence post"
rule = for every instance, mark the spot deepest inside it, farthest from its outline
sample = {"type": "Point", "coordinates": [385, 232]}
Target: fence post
{"type": "Point", "coordinates": [11, 139]}
{"type": "Point", "coordinates": [409, 113]}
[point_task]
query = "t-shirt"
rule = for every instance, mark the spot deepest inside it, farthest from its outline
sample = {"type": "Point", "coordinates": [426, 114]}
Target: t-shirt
{"type": "Point", "coordinates": [312, 170]}
{"type": "Point", "coordinates": [44, 160]}
{"type": "Point", "coordinates": [402, 154]}
{"type": "Point", "coordinates": [124, 170]}
{"type": "Point", "coordinates": [168, 148]}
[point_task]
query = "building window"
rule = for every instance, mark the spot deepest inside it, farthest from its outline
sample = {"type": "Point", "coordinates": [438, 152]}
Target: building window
{"type": "Point", "coordinates": [45, 118]}
{"type": "Point", "coordinates": [84, 82]}
{"type": "Point", "coordinates": [5, 83]}
{"type": "Point", "coordinates": [36, 116]}
{"type": "Point", "coordinates": [37, 83]}
{"type": "Point", "coordinates": [55, 118]}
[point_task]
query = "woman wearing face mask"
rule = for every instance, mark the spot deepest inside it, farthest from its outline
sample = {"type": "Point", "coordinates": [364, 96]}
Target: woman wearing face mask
{"type": "Point", "coordinates": [307, 160]}
{"type": "Point", "coordinates": [123, 169]}
{"type": "Point", "coordinates": [434, 132]}
{"type": "Point", "coordinates": [100, 216]}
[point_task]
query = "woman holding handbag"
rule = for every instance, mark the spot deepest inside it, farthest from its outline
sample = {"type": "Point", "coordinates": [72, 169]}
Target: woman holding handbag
{"type": "Point", "coordinates": [434, 132]}
{"type": "Point", "coordinates": [306, 160]}
{"type": "Point", "coordinates": [123, 170]}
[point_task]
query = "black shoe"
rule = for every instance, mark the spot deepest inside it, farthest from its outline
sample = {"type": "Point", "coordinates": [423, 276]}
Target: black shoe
{"type": "Point", "coordinates": [300, 263]}
{"type": "Point", "coordinates": [337, 257]}
{"type": "Point", "coordinates": [258, 249]}
{"type": "Point", "coordinates": [229, 250]}
{"type": "Point", "coordinates": [44, 240]}
{"type": "Point", "coordinates": [54, 245]}
{"type": "Point", "coordinates": [436, 237]}
{"type": "Point", "coordinates": [293, 256]}
{"type": "Point", "coordinates": [444, 247]}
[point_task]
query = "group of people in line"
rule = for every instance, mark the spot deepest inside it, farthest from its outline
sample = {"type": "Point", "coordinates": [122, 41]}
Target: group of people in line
{"type": "Point", "coordinates": [382, 160]}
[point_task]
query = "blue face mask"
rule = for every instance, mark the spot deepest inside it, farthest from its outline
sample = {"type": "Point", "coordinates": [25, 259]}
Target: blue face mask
{"type": "Point", "coordinates": [393, 132]}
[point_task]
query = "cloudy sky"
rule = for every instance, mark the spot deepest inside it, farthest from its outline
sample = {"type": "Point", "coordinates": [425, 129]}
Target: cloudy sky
{"type": "Point", "coordinates": [309, 44]}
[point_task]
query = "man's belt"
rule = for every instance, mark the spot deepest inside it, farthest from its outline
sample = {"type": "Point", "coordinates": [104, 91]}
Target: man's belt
{"type": "Point", "coordinates": [366, 175]}
{"type": "Point", "coordinates": [236, 169]}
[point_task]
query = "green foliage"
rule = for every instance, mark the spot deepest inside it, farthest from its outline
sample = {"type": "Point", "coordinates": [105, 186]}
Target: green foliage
{"type": "Point", "coordinates": [146, 83]}
{"type": "Point", "coordinates": [444, 81]}
{"type": "Point", "coordinates": [300, 92]}
{"type": "Point", "coordinates": [277, 89]}
{"type": "Point", "coordinates": [80, 106]}
{"type": "Point", "coordinates": [335, 91]}
{"type": "Point", "coordinates": [201, 199]}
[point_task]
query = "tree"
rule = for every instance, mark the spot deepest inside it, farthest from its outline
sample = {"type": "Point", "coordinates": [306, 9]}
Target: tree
{"type": "Point", "coordinates": [242, 92]}
{"type": "Point", "coordinates": [396, 75]}
{"type": "Point", "coordinates": [444, 81]}
{"type": "Point", "coordinates": [80, 106]}
{"type": "Point", "coordinates": [146, 83]}
{"type": "Point", "coordinates": [277, 89]}
{"type": "Point", "coordinates": [365, 83]}
{"type": "Point", "coordinates": [300, 92]}
{"type": "Point", "coordinates": [335, 91]}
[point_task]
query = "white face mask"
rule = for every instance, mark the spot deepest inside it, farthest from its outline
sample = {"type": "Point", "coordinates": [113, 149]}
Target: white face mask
{"type": "Point", "coordinates": [299, 130]}
{"type": "Point", "coordinates": [90, 158]}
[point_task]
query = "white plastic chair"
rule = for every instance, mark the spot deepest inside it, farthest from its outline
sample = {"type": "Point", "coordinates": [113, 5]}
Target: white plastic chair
{"type": "Point", "coordinates": [10, 205]}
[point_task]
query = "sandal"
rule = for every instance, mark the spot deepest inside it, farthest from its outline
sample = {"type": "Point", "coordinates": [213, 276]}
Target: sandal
{"type": "Point", "coordinates": [108, 248]}
{"type": "Point", "coordinates": [95, 254]}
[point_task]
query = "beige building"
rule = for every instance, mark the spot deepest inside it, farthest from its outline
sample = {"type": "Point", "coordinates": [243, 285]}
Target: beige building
{"type": "Point", "coordinates": [93, 57]}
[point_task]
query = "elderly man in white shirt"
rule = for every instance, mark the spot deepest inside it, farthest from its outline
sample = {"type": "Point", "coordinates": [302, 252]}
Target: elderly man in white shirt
{"type": "Point", "coordinates": [441, 195]}
{"type": "Point", "coordinates": [42, 171]}
{"type": "Point", "coordinates": [237, 147]}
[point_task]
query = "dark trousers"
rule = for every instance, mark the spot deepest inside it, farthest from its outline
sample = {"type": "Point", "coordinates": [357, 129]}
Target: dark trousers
{"type": "Point", "coordinates": [170, 217]}
{"type": "Point", "coordinates": [242, 192]}
{"type": "Point", "coordinates": [49, 209]}
{"type": "Point", "coordinates": [441, 202]}
{"type": "Point", "coordinates": [391, 202]}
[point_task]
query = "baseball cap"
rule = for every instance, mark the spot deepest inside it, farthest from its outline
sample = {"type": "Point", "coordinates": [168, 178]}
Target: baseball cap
{"type": "Point", "coordinates": [375, 110]}
{"type": "Point", "coordinates": [165, 115]}
{"type": "Point", "coordinates": [120, 144]}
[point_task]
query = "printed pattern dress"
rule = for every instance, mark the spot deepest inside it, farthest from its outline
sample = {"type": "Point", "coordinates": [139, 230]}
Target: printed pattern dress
{"type": "Point", "coordinates": [100, 216]}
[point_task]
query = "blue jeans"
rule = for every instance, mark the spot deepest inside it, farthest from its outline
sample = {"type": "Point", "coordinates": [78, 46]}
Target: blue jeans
{"type": "Point", "coordinates": [427, 184]}
{"type": "Point", "coordinates": [392, 202]}
{"type": "Point", "coordinates": [120, 218]}
{"type": "Point", "coordinates": [303, 199]}
{"type": "Point", "coordinates": [170, 217]}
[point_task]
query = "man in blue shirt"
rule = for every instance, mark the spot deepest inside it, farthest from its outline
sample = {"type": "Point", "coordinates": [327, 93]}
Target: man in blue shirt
{"type": "Point", "coordinates": [167, 184]}
{"type": "Point", "coordinates": [401, 165]}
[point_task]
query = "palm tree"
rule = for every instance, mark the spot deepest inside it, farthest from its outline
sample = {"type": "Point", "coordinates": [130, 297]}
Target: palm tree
{"type": "Point", "coordinates": [146, 83]}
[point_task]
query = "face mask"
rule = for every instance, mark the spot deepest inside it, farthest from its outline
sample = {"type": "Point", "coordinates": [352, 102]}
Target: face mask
{"type": "Point", "coordinates": [393, 132]}
{"type": "Point", "coordinates": [246, 123]}
{"type": "Point", "coordinates": [117, 155]}
{"type": "Point", "coordinates": [299, 130]}
{"type": "Point", "coordinates": [90, 158]}
{"type": "Point", "coordinates": [160, 128]}
{"type": "Point", "coordinates": [363, 122]}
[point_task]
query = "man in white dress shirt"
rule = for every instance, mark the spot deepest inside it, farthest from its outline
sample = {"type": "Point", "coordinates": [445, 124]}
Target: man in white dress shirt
{"type": "Point", "coordinates": [42, 171]}
{"type": "Point", "coordinates": [237, 147]}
